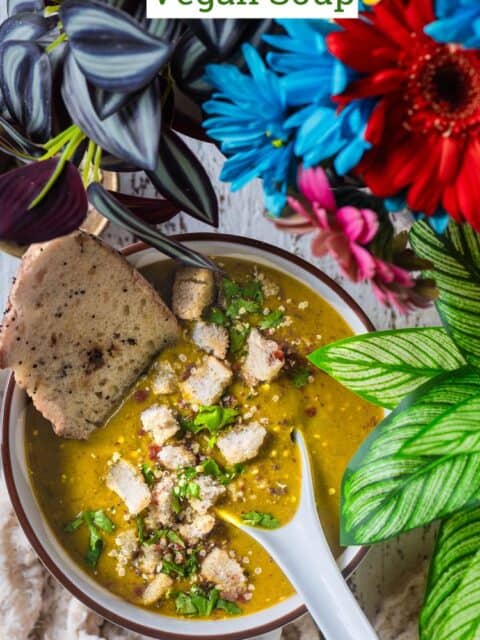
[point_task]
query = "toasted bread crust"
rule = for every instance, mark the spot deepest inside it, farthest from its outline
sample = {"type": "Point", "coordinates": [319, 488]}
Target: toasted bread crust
{"type": "Point", "coordinates": [80, 327]}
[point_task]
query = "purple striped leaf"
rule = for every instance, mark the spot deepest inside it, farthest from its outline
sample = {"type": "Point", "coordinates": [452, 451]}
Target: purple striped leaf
{"type": "Point", "coordinates": [20, 6]}
{"type": "Point", "coordinates": [180, 177]}
{"type": "Point", "coordinates": [26, 86]}
{"type": "Point", "coordinates": [24, 27]}
{"type": "Point", "coordinates": [110, 207]}
{"type": "Point", "coordinates": [131, 134]}
{"type": "Point", "coordinates": [151, 210]}
{"type": "Point", "coordinates": [61, 211]}
{"type": "Point", "coordinates": [219, 36]}
{"type": "Point", "coordinates": [113, 51]}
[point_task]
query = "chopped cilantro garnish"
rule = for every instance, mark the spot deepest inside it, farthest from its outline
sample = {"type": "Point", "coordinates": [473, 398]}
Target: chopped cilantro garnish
{"type": "Point", "coordinates": [211, 418]}
{"type": "Point", "coordinates": [95, 521]}
{"type": "Point", "coordinates": [299, 376]}
{"type": "Point", "coordinates": [272, 320]}
{"type": "Point", "coordinates": [259, 519]}
{"type": "Point", "coordinates": [172, 536]}
{"type": "Point", "coordinates": [230, 607]}
{"type": "Point", "coordinates": [247, 298]}
{"type": "Point", "coordinates": [140, 524]}
{"type": "Point", "coordinates": [224, 476]}
{"type": "Point", "coordinates": [185, 488]}
{"type": "Point", "coordinates": [184, 570]}
{"type": "Point", "coordinates": [238, 338]}
{"type": "Point", "coordinates": [217, 316]}
{"type": "Point", "coordinates": [202, 603]}
{"type": "Point", "coordinates": [148, 474]}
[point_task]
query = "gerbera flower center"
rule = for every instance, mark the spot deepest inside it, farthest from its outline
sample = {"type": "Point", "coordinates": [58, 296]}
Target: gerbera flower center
{"type": "Point", "coordinates": [444, 89]}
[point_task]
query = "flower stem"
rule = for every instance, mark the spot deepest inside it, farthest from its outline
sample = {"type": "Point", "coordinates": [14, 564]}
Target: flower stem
{"type": "Point", "coordinates": [87, 161]}
{"type": "Point", "coordinates": [48, 11]}
{"type": "Point", "coordinates": [70, 149]}
{"type": "Point", "coordinates": [53, 45]}
{"type": "Point", "coordinates": [59, 140]}
{"type": "Point", "coordinates": [96, 164]}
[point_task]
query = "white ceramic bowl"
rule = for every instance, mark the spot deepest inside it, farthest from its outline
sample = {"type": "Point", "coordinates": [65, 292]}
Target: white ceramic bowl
{"type": "Point", "coordinates": [43, 539]}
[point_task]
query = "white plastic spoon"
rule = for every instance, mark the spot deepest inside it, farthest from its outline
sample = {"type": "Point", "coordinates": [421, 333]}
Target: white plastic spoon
{"type": "Point", "coordinates": [301, 550]}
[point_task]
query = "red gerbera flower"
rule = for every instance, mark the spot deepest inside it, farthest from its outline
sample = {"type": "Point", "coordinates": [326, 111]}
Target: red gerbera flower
{"type": "Point", "coordinates": [425, 129]}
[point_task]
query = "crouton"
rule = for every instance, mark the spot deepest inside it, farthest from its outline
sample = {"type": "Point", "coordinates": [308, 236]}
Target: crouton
{"type": "Point", "coordinates": [160, 512]}
{"type": "Point", "coordinates": [81, 326]}
{"type": "Point", "coordinates": [225, 573]}
{"type": "Point", "coordinates": [160, 422]}
{"type": "Point", "coordinates": [197, 529]}
{"type": "Point", "coordinates": [127, 544]}
{"type": "Point", "coordinates": [206, 383]}
{"type": "Point", "coordinates": [127, 482]}
{"type": "Point", "coordinates": [211, 338]}
{"type": "Point", "coordinates": [210, 492]}
{"type": "Point", "coordinates": [242, 442]}
{"type": "Point", "coordinates": [166, 380]}
{"type": "Point", "coordinates": [176, 457]}
{"type": "Point", "coordinates": [149, 559]}
{"type": "Point", "coordinates": [264, 359]}
{"type": "Point", "coordinates": [193, 291]}
{"type": "Point", "coordinates": [156, 589]}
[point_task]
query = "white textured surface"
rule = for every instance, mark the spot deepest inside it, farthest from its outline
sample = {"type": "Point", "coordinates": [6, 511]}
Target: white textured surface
{"type": "Point", "coordinates": [378, 582]}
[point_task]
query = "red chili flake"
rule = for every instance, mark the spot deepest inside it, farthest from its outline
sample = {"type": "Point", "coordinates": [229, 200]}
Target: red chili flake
{"type": "Point", "coordinates": [138, 591]}
{"type": "Point", "coordinates": [153, 451]}
{"type": "Point", "coordinates": [140, 395]}
{"type": "Point", "coordinates": [311, 411]}
{"type": "Point", "coordinates": [279, 355]}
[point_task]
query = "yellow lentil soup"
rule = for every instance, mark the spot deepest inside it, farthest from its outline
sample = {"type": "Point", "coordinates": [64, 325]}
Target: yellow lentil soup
{"type": "Point", "coordinates": [69, 477]}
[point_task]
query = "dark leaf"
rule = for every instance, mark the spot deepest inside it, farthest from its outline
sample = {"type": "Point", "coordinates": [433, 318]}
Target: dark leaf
{"type": "Point", "coordinates": [106, 103]}
{"type": "Point", "coordinates": [188, 117]}
{"type": "Point", "coordinates": [26, 85]}
{"type": "Point", "coordinates": [110, 47]}
{"type": "Point", "coordinates": [18, 6]}
{"type": "Point", "coordinates": [188, 65]}
{"type": "Point", "coordinates": [61, 211]}
{"type": "Point", "coordinates": [132, 134]}
{"type": "Point", "coordinates": [14, 144]}
{"type": "Point", "coordinates": [219, 36]}
{"type": "Point", "coordinates": [151, 210]}
{"type": "Point", "coordinates": [180, 177]}
{"type": "Point", "coordinates": [111, 163]}
{"type": "Point", "coordinates": [24, 27]}
{"type": "Point", "coordinates": [111, 208]}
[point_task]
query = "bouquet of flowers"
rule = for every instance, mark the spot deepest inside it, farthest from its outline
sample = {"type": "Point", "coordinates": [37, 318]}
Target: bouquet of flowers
{"type": "Point", "coordinates": [389, 102]}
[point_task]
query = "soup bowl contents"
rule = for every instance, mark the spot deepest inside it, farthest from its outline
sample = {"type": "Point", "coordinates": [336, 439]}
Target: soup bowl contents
{"type": "Point", "coordinates": [209, 425]}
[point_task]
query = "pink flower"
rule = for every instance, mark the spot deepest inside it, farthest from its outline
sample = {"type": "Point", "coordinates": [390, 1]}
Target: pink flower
{"type": "Point", "coordinates": [342, 231]}
{"type": "Point", "coordinates": [346, 233]}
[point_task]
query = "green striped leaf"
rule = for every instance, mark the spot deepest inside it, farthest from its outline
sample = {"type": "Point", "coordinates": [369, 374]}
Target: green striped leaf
{"type": "Point", "coordinates": [451, 610]}
{"type": "Point", "coordinates": [456, 431]}
{"type": "Point", "coordinates": [456, 259]}
{"type": "Point", "coordinates": [386, 366]}
{"type": "Point", "coordinates": [386, 492]}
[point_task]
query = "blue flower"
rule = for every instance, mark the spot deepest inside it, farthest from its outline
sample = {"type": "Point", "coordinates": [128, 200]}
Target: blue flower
{"type": "Point", "coordinates": [311, 77]}
{"type": "Point", "coordinates": [457, 21]}
{"type": "Point", "coordinates": [247, 116]}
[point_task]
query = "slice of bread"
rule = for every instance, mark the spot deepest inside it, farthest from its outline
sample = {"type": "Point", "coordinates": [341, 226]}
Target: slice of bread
{"type": "Point", "coordinates": [81, 326]}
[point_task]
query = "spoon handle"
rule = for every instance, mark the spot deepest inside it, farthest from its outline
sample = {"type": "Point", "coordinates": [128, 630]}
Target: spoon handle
{"type": "Point", "coordinates": [312, 570]}
{"type": "Point", "coordinates": [301, 549]}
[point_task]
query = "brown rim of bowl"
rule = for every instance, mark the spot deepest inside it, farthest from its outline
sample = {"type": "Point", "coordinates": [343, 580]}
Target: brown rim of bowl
{"type": "Point", "coordinates": [58, 573]}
